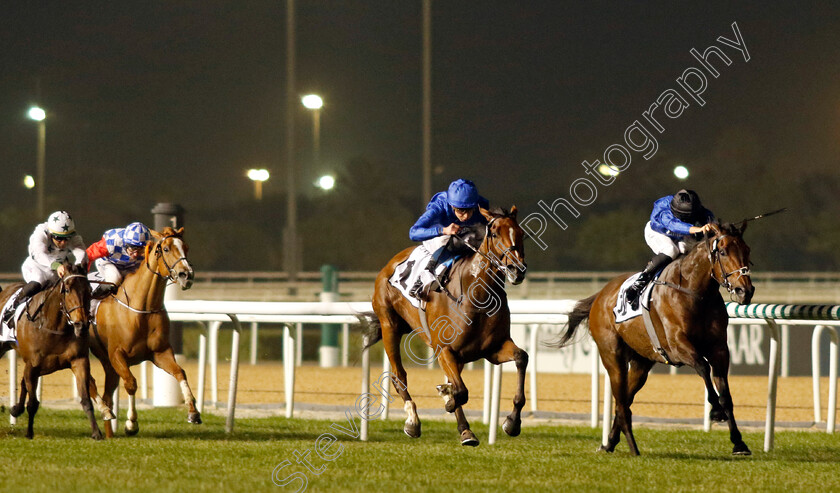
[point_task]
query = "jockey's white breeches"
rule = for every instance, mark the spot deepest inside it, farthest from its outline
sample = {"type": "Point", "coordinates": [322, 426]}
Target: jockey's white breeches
{"type": "Point", "coordinates": [662, 243]}
{"type": "Point", "coordinates": [109, 271]}
{"type": "Point", "coordinates": [33, 271]}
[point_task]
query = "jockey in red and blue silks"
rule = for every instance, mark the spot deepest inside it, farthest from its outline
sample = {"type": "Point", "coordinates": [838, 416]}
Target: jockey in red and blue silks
{"type": "Point", "coordinates": [669, 233]}
{"type": "Point", "coordinates": [118, 252]}
{"type": "Point", "coordinates": [445, 215]}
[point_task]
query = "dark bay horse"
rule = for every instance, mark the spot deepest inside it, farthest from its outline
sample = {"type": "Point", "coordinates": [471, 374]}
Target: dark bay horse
{"type": "Point", "coordinates": [132, 326]}
{"type": "Point", "coordinates": [52, 334]}
{"type": "Point", "coordinates": [690, 319]}
{"type": "Point", "coordinates": [479, 327]}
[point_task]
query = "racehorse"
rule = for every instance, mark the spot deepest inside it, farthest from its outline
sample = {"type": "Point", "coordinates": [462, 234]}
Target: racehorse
{"type": "Point", "coordinates": [690, 319]}
{"type": "Point", "coordinates": [476, 327]}
{"type": "Point", "coordinates": [132, 325]}
{"type": "Point", "coordinates": [52, 334]}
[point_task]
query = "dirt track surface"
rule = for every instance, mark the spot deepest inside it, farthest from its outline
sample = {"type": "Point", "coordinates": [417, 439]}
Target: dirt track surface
{"type": "Point", "coordinates": [664, 396]}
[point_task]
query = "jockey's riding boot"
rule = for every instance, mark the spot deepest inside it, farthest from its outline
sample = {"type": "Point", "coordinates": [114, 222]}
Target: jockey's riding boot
{"type": "Point", "coordinates": [417, 290]}
{"type": "Point", "coordinates": [29, 290]}
{"type": "Point", "coordinates": [634, 292]}
{"type": "Point", "coordinates": [102, 290]}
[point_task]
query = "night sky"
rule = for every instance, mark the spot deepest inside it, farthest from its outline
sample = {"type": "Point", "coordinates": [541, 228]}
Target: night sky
{"type": "Point", "coordinates": [173, 101]}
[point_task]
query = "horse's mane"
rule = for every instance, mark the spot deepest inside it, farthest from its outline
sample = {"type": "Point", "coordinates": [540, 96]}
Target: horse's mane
{"type": "Point", "coordinates": [725, 228]}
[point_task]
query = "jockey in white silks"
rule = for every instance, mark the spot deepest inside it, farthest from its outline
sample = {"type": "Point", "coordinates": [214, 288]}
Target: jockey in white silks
{"type": "Point", "coordinates": [670, 232]}
{"type": "Point", "coordinates": [52, 244]}
{"type": "Point", "coordinates": [118, 252]}
{"type": "Point", "coordinates": [446, 213]}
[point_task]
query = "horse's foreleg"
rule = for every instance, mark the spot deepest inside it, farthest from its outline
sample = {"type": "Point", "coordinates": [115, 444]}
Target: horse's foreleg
{"type": "Point", "coordinates": [467, 436]}
{"type": "Point", "coordinates": [720, 367]}
{"type": "Point", "coordinates": [18, 408]}
{"type": "Point", "coordinates": [120, 364]}
{"type": "Point", "coordinates": [98, 402]}
{"type": "Point", "coordinates": [458, 395]}
{"type": "Point", "coordinates": [165, 360]}
{"type": "Point", "coordinates": [511, 352]}
{"type": "Point", "coordinates": [30, 377]}
{"type": "Point", "coordinates": [701, 366]}
{"type": "Point", "coordinates": [81, 369]}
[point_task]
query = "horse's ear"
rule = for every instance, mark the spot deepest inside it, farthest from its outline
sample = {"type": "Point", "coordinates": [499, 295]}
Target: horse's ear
{"type": "Point", "coordinates": [484, 212]}
{"type": "Point", "coordinates": [743, 227]}
{"type": "Point", "coordinates": [155, 233]}
{"type": "Point", "coordinates": [513, 212]}
{"type": "Point", "coordinates": [180, 231]}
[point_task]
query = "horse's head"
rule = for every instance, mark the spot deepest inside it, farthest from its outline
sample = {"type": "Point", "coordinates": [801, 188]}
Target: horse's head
{"type": "Point", "coordinates": [730, 257]}
{"type": "Point", "coordinates": [504, 243]}
{"type": "Point", "coordinates": [168, 251]}
{"type": "Point", "coordinates": [75, 297]}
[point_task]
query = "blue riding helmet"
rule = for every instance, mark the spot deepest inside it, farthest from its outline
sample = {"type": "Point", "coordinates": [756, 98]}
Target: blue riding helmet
{"type": "Point", "coordinates": [136, 235]}
{"type": "Point", "coordinates": [462, 194]}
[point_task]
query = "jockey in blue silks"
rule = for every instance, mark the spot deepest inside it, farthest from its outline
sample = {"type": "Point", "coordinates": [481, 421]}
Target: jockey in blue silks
{"type": "Point", "coordinates": [446, 213]}
{"type": "Point", "coordinates": [673, 222]}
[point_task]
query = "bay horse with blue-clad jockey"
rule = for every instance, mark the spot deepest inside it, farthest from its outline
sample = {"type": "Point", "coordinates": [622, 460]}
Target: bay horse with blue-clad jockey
{"type": "Point", "coordinates": [689, 318]}
{"type": "Point", "coordinates": [475, 327]}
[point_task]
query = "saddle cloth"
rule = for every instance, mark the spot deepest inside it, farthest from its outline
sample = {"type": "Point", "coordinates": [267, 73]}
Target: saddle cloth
{"type": "Point", "coordinates": [7, 334]}
{"type": "Point", "coordinates": [622, 310]}
{"type": "Point", "coordinates": [406, 272]}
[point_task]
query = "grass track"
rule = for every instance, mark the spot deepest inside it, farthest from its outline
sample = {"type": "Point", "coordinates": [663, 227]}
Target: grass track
{"type": "Point", "coordinates": [170, 455]}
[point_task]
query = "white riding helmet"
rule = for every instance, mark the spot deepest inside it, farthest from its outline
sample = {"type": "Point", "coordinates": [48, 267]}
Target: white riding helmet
{"type": "Point", "coordinates": [60, 224]}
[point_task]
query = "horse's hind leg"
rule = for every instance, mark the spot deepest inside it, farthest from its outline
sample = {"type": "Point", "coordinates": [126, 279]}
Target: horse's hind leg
{"type": "Point", "coordinates": [81, 369]}
{"type": "Point", "coordinates": [391, 337]}
{"type": "Point", "coordinates": [720, 366]}
{"type": "Point", "coordinates": [616, 362]}
{"type": "Point", "coordinates": [511, 352]}
{"type": "Point", "coordinates": [30, 377]}
{"type": "Point", "coordinates": [165, 360]}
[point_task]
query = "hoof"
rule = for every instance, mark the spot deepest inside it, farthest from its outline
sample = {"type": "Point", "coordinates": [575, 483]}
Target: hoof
{"type": "Point", "coordinates": [16, 411]}
{"type": "Point", "coordinates": [604, 449]}
{"type": "Point", "coordinates": [97, 435]}
{"type": "Point", "coordinates": [131, 428]}
{"type": "Point", "coordinates": [718, 416]}
{"type": "Point", "coordinates": [30, 435]}
{"type": "Point", "coordinates": [468, 439]}
{"type": "Point", "coordinates": [412, 430]}
{"type": "Point", "coordinates": [741, 449]}
{"type": "Point", "coordinates": [511, 427]}
{"type": "Point", "coordinates": [194, 418]}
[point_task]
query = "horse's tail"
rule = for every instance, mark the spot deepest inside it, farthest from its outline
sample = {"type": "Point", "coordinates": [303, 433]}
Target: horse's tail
{"type": "Point", "coordinates": [371, 328]}
{"type": "Point", "coordinates": [578, 315]}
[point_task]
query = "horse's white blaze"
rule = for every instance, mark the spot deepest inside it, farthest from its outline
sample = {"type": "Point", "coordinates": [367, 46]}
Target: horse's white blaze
{"type": "Point", "coordinates": [411, 411]}
{"type": "Point", "coordinates": [512, 240]}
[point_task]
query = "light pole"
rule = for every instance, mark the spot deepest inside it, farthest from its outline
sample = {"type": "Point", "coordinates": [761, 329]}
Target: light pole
{"type": "Point", "coordinates": [258, 176]}
{"type": "Point", "coordinates": [314, 103]}
{"type": "Point", "coordinates": [40, 116]}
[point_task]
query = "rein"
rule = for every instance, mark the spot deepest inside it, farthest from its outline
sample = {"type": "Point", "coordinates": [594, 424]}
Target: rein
{"type": "Point", "coordinates": [491, 258]}
{"type": "Point", "coordinates": [159, 254]}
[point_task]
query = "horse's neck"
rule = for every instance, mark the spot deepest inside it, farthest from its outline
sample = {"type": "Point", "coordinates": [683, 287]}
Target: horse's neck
{"type": "Point", "coordinates": [480, 281]}
{"type": "Point", "coordinates": [48, 302]}
{"type": "Point", "coordinates": [694, 270]}
{"type": "Point", "coordinates": [144, 289]}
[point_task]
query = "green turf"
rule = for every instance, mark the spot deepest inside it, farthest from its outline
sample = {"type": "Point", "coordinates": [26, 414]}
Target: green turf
{"type": "Point", "coordinates": [171, 455]}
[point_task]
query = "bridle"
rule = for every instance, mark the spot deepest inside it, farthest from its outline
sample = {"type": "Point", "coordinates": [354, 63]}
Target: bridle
{"type": "Point", "coordinates": [158, 252]}
{"type": "Point", "coordinates": [491, 247]}
{"type": "Point", "coordinates": [714, 258]}
{"type": "Point", "coordinates": [64, 290]}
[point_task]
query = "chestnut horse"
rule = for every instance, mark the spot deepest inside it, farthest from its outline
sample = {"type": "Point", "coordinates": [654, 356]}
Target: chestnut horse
{"type": "Point", "coordinates": [690, 319]}
{"type": "Point", "coordinates": [132, 326]}
{"type": "Point", "coordinates": [478, 327]}
{"type": "Point", "coordinates": [52, 334]}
